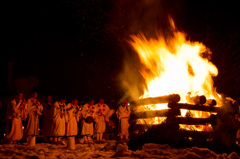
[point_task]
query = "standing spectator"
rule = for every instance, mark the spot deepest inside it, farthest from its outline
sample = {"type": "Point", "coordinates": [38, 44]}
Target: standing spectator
{"type": "Point", "coordinates": [16, 111]}
{"type": "Point", "coordinates": [72, 118]}
{"type": "Point", "coordinates": [34, 108]}
{"type": "Point", "coordinates": [123, 114]}
{"type": "Point", "coordinates": [47, 118]}
{"type": "Point", "coordinates": [100, 125]}
{"type": "Point", "coordinates": [88, 111]}
{"type": "Point", "coordinates": [59, 120]}
{"type": "Point", "coordinates": [80, 122]}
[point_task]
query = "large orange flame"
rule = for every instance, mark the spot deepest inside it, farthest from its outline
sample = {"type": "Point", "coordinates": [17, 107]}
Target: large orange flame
{"type": "Point", "coordinates": [174, 65]}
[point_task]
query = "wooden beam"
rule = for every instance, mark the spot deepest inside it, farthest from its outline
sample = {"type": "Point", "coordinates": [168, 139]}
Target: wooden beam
{"type": "Point", "coordinates": [189, 121]}
{"type": "Point", "coordinates": [194, 107]}
{"type": "Point", "coordinates": [157, 113]}
{"type": "Point", "coordinates": [157, 100]}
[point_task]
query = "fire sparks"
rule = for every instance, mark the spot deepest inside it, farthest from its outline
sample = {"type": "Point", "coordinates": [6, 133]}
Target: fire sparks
{"type": "Point", "coordinates": [174, 65]}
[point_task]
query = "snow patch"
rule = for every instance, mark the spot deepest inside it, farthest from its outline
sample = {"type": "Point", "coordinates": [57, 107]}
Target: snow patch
{"type": "Point", "coordinates": [110, 149]}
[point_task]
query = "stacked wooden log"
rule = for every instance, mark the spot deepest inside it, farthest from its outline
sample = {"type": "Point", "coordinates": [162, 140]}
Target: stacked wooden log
{"type": "Point", "coordinates": [196, 130]}
{"type": "Point", "coordinates": [172, 114]}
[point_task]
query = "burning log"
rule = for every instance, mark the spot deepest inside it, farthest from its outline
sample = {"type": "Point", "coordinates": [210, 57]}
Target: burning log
{"type": "Point", "coordinates": [157, 113]}
{"type": "Point", "coordinates": [197, 99]}
{"type": "Point", "coordinates": [193, 107]}
{"type": "Point", "coordinates": [211, 102]}
{"type": "Point", "coordinates": [172, 98]}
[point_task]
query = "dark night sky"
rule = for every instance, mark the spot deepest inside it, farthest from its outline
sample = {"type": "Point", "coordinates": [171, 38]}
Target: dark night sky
{"type": "Point", "coordinates": [76, 48]}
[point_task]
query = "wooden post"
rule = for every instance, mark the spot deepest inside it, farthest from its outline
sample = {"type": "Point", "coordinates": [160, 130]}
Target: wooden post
{"type": "Point", "coordinates": [31, 140]}
{"type": "Point", "coordinates": [71, 142]}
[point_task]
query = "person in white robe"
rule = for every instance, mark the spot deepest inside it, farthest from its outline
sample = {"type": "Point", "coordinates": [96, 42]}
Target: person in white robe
{"type": "Point", "coordinates": [123, 114]}
{"type": "Point", "coordinates": [100, 124]}
{"type": "Point", "coordinates": [16, 112]}
{"type": "Point", "coordinates": [88, 112]}
{"type": "Point", "coordinates": [72, 118]}
{"type": "Point", "coordinates": [59, 120]}
{"type": "Point", "coordinates": [34, 109]}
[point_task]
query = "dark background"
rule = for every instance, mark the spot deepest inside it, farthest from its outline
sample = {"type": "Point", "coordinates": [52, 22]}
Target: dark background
{"type": "Point", "coordinates": [77, 48]}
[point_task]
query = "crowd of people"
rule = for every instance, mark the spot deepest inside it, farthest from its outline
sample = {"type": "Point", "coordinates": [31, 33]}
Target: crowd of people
{"type": "Point", "coordinates": [61, 120]}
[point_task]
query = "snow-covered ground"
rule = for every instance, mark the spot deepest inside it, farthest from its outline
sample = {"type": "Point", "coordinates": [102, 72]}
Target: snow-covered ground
{"type": "Point", "coordinates": [110, 149]}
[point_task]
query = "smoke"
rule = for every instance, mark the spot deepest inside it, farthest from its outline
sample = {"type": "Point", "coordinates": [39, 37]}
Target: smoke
{"type": "Point", "coordinates": [130, 79]}
{"type": "Point", "coordinates": [149, 17]}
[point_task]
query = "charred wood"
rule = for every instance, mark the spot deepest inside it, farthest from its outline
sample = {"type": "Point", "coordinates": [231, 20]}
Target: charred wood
{"type": "Point", "coordinates": [189, 121]}
{"type": "Point", "coordinates": [194, 133]}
